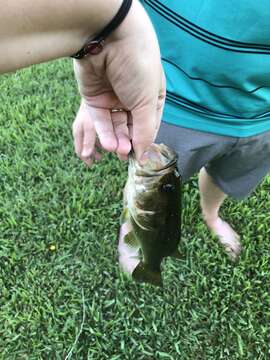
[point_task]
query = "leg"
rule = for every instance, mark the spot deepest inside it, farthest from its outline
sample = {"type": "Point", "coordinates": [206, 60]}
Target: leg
{"type": "Point", "coordinates": [211, 200]}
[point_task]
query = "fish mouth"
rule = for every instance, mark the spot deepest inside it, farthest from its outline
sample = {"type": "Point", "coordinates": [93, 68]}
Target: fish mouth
{"type": "Point", "coordinates": [156, 158]}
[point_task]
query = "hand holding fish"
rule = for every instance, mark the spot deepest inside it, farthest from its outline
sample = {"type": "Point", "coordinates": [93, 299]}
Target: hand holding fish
{"type": "Point", "coordinates": [123, 92]}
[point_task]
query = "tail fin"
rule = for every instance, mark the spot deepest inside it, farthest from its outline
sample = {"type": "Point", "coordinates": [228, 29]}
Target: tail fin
{"type": "Point", "coordinates": [145, 275]}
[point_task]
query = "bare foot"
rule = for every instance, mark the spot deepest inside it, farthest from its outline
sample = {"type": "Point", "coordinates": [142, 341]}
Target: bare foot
{"type": "Point", "coordinates": [227, 236]}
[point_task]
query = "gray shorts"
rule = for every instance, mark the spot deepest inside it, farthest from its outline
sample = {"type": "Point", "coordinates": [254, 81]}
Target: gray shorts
{"type": "Point", "coordinates": [237, 165]}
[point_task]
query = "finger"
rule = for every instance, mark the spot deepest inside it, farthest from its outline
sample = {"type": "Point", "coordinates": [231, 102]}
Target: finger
{"type": "Point", "coordinates": [77, 132]}
{"type": "Point", "coordinates": [161, 101]}
{"type": "Point", "coordinates": [130, 126]}
{"type": "Point", "coordinates": [84, 135]}
{"type": "Point", "coordinates": [89, 139]}
{"type": "Point", "coordinates": [144, 121]}
{"type": "Point", "coordinates": [98, 156]}
{"type": "Point", "coordinates": [121, 130]}
{"type": "Point", "coordinates": [104, 128]}
{"type": "Point", "coordinates": [160, 108]}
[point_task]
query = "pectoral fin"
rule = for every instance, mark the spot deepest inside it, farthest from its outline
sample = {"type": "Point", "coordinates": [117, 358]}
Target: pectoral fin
{"type": "Point", "coordinates": [145, 275]}
{"type": "Point", "coordinates": [131, 241]}
{"type": "Point", "coordinates": [124, 216]}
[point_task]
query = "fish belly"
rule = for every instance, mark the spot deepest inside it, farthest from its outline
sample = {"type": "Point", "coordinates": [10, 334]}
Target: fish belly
{"type": "Point", "coordinates": [128, 249]}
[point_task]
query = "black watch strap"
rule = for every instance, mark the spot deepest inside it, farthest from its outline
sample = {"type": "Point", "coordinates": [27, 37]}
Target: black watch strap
{"type": "Point", "coordinates": [95, 45]}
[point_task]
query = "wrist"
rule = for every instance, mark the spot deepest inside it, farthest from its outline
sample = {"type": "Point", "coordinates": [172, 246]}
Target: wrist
{"type": "Point", "coordinates": [130, 21]}
{"type": "Point", "coordinates": [136, 26]}
{"type": "Point", "coordinates": [94, 18]}
{"type": "Point", "coordinates": [44, 32]}
{"type": "Point", "coordinates": [95, 44]}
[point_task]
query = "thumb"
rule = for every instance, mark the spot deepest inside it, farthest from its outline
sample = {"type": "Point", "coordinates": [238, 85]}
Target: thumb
{"type": "Point", "coordinates": [144, 121]}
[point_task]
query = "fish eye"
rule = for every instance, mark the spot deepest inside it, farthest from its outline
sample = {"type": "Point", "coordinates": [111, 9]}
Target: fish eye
{"type": "Point", "coordinates": [167, 188]}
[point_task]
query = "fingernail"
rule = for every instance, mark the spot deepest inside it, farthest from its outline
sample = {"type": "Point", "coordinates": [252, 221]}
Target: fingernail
{"type": "Point", "coordinates": [149, 153]}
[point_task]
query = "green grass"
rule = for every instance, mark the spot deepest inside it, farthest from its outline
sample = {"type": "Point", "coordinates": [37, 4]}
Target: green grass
{"type": "Point", "coordinates": [209, 307]}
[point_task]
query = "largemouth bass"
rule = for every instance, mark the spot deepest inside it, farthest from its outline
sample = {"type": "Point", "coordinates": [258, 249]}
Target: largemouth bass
{"type": "Point", "coordinates": [151, 218]}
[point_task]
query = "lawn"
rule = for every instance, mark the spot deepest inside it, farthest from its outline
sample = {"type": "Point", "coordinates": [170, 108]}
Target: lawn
{"type": "Point", "coordinates": [61, 292]}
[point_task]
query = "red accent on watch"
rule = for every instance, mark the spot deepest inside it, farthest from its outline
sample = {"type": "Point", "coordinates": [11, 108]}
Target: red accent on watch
{"type": "Point", "coordinates": [94, 47]}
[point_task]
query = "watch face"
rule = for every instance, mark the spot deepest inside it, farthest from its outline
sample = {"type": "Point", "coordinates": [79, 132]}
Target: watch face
{"type": "Point", "coordinates": [94, 48]}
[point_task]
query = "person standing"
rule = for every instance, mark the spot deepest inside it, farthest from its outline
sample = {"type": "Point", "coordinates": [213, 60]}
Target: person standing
{"type": "Point", "coordinates": [216, 56]}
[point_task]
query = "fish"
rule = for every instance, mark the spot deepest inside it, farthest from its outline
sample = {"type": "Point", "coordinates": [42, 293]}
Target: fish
{"type": "Point", "coordinates": [150, 225]}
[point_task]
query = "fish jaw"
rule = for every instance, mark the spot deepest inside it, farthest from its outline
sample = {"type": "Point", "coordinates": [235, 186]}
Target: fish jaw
{"type": "Point", "coordinates": [155, 158]}
{"type": "Point", "coordinates": [143, 274]}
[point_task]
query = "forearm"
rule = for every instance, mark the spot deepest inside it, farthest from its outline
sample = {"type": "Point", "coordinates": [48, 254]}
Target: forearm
{"type": "Point", "coordinates": [32, 32]}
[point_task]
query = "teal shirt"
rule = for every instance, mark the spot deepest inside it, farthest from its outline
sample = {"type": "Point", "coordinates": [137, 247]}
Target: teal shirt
{"type": "Point", "coordinates": [216, 56]}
